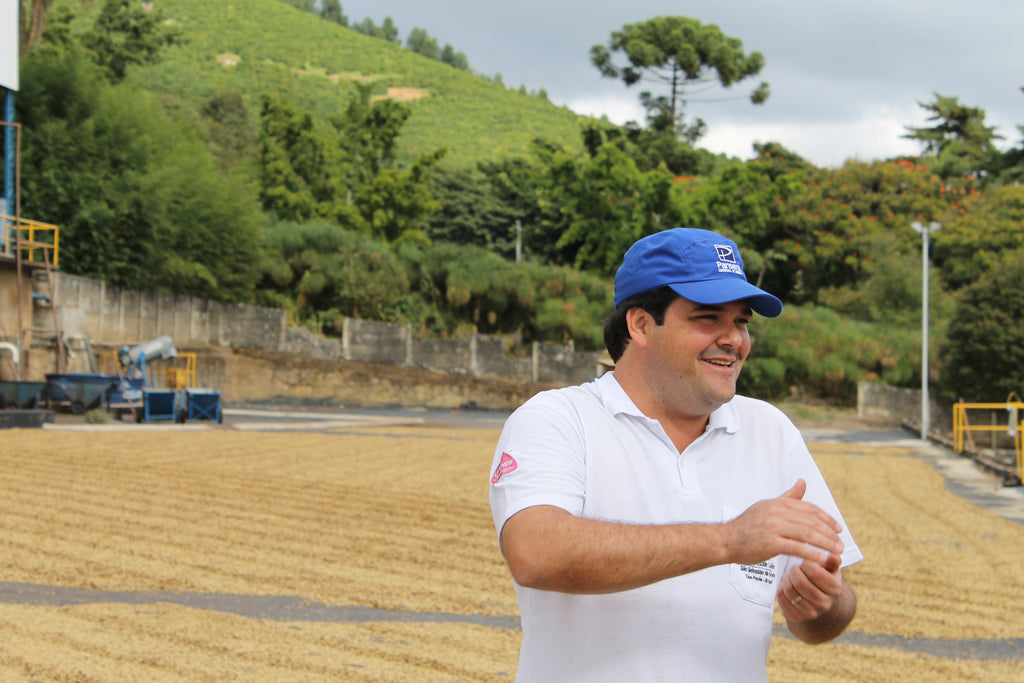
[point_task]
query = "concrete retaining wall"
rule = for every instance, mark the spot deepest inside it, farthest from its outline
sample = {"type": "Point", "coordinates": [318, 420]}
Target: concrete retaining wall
{"type": "Point", "coordinates": [493, 363]}
{"type": "Point", "coordinates": [113, 316]}
{"type": "Point", "coordinates": [899, 406]}
{"type": "Point", "coordinates": [895, 405]}
{"type": "Point", "coordinates": [369, 341]}
{"type": "Point", "coordinates": [444, 355]}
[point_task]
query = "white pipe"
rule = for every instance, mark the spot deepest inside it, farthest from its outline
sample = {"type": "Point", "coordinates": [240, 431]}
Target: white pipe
{"type": "Point", "coordinates": [161, 347]}
{"type": "Point", "coordinates": [14, 351]}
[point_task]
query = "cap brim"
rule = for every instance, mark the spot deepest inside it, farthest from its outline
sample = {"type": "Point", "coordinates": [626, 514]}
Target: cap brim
{"type": "Point", "coordinates": [724, 291]}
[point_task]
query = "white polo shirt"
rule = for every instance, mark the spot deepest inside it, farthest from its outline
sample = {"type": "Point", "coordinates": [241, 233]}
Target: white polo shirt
{"type": "Point", "coordinates": [589, 450]}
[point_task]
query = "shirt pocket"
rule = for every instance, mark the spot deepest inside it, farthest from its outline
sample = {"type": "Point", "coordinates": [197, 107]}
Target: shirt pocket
{"type": "Point", "coordinates": [756, 583]}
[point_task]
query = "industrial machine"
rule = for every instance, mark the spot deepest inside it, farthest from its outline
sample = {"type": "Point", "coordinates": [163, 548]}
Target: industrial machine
{"type": "Point", "coordinates": [134, 359]}
{"type": "Point", "coordinates": [133, 388]}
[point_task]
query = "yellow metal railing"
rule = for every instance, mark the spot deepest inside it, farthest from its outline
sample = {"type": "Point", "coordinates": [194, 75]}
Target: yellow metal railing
{"type": "Point", "coordinates": [179, 373]}
{"type": "Point", "coordinates": [110, 364]}
{"type": "Point", "coordinates": [1014, 426]}
{"type": "Point", "coordinates": [178, 377]}
{"type": "Point", "coordinates": [35, 236]}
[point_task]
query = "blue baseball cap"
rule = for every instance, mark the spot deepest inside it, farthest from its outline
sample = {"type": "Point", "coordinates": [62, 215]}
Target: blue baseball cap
{"type": "Point", "coordinates": [698, 265]}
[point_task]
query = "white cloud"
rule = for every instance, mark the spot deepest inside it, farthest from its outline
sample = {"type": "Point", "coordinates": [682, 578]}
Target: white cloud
{"type": "Point", "coordinates": [619, 110]}
{"type": "Point", "coordinates": [873, 135]}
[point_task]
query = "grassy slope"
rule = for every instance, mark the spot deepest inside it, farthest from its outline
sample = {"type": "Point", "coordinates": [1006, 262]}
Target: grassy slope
{"type": "Point", "coordinates": [313, 62]}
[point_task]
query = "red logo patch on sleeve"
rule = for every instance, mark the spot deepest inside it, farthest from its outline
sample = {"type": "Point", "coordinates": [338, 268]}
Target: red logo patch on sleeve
{"type": "Point", "coordinates": [507, 464]}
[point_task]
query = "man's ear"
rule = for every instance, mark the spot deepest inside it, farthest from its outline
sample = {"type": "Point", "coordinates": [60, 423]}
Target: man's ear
{"type": "Point", "coordinates": [639, 323]}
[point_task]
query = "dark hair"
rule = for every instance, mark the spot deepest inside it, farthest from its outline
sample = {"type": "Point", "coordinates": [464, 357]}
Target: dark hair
{"type": "Point", "coordinates": [654, 301]}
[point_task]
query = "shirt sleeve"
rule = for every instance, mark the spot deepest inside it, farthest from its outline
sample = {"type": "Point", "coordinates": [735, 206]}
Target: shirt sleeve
{"type": "Point", "coordinates": [539, 460]}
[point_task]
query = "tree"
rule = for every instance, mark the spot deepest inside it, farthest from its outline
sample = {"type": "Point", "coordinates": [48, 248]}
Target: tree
{"type": "Point", "coordinates": [471, 212]}
{"type": "Point", "coordinates": [974, 242]}
{"type": "Point", "coordinates": [608, 204]}
{"type": "Point", "coordinates": [470, 285]}
{"type": "Point", "coordinates": [456, 59]}
{"type": "Point", "coordinates": [650, 149]}
{"type": "Point", "coordinates": [984, 347]}
{"type": "Point", "coordinates": [393, 204]}
{"type": "Point", "coordinates": [465, 287]}
{"type": "Point", "coordinates": [386, 31]}
{"type": "Point", "coordinates": [834, 353]}
{"type": "Point", "coordinates": [136, 193]}
{"type": "Point", "coordinates": [422, 43]}
{"type": "Point", "coordinates": [31, 23]}
{"type": "Point", "coordinates": [331, 11]}
{"type": "Point", "coordinates": [959, 141]}
{"type": "Point", "coordinates": [523, 188]}
{"type": "Point", "coordinates": [582, 211]}
{"type": "Point", "coordinates": [1011, 163]}
{"type": "Point", "coordinates": [396, 204]}
{"type": "Point", "coordinates": [778, 160]}
{"type": "Point", "coordinates": [322, 273]}
{"type": "Point", "coordinates": [300, 176]}
{"type": "Point", "coordinates": [368, 134]}
{"type": "Point", "coordinates": [681, 54]}
{"type": "Point", "coordinates": [229, 133]}
{"type": "Point", "coordinates": [304, 5]}
{"type": "Point", "coordinates": [126, 33]}
{"type": "Point", "coordinates": [806, 230]}
{"type": "Point", "coordinates": [349, 179]}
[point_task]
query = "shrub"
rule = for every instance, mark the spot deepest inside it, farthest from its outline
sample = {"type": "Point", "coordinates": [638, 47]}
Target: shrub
{"type": "Point", "coordinates": [98, 416]}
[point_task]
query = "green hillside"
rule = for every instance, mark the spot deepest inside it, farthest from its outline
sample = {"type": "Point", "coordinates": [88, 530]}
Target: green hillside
{"type": "Point", "coordinates": [268, 46]}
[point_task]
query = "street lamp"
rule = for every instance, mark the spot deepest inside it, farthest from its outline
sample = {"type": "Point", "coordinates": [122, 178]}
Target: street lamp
{"type": "Point", "coordinates": [924, 231]}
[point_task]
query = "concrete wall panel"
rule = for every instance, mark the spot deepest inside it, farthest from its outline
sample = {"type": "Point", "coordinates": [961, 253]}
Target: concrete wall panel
{"type": "Point", "coordinates": [114, 316]}
{"type": "Point", "coordinates": [370, 341]}
{"type": "Point", "coordinates": [443, 355]}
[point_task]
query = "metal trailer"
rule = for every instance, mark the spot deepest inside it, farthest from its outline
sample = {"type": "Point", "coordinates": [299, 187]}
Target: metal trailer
{"type": "Point", "coordinates": [79, 392]}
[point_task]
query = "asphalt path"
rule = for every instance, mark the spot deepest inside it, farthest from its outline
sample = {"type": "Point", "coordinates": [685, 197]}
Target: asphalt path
{"type": "Point", "coordinates": [964, 477]}
{"type": "Point", "coordinates": [288, 608]}
{"type": "Point", "coordinates": [247, 417]}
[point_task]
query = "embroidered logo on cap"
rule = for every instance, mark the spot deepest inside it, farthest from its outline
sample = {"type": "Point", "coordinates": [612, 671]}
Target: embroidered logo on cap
{"type": "Point", "coordinates": [508, 464]}
{"type": "Point", "coordinates": [727, 260]}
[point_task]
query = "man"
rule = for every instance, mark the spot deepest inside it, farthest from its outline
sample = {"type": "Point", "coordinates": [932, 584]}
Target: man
{"type": "Point", "coordinates": [652, 518]}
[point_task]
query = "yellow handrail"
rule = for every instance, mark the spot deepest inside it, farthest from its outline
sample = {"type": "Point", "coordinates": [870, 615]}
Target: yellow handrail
{"type": "Point", "coordinates": [1014, 426]}
{"type": "Point", "coordinates": [179, 373]}
{"type": "Point", "coordinates": [31, 231]}
{"type": "Point", "coordinates": [178, 377]}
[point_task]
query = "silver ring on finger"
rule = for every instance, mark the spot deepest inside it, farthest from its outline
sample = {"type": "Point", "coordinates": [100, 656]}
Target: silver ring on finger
{"type": "Point", "coordinates": [797, 599]}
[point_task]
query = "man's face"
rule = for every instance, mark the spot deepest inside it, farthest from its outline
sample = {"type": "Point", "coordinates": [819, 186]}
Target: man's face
{"type": "Point", "coordinates": [694, 358]}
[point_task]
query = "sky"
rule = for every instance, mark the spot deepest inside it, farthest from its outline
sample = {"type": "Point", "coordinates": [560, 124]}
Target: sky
{"type": "Point", "coordinates": [846, 78]}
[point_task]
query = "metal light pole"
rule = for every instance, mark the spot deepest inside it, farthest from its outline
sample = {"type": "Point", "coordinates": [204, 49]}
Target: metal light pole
{"type": "Point", "coordinates": [924, 231]}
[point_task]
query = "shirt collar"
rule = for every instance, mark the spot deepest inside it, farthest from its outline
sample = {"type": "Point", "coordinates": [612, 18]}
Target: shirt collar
{"type": "Point", "coordinates": [614, 397]}
{"type": "Point", "coordinates": [617, 401]}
